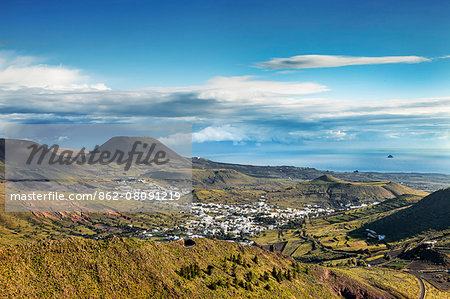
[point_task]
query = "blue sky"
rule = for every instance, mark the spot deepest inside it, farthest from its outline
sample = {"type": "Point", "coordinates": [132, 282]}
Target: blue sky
{"type": "Point", "coordinates": [327, 84]}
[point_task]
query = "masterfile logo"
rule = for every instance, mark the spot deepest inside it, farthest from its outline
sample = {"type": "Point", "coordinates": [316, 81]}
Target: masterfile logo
{"type": "Point", "coordinates": [145, 156]}
{"type": "Point", "coordinates": [92, 167]}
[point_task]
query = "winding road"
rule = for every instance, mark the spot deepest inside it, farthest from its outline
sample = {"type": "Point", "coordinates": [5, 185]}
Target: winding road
{"type": "Point", "coordinates": [422, 286]}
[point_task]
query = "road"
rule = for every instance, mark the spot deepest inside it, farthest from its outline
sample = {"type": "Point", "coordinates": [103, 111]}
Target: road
{"type": "Point", "coordinates": [422, 286]}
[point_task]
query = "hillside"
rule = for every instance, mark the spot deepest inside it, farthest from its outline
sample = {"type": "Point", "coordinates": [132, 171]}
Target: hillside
{"type": "Point", "coordinates": [330, 191]}
{"type": "Point", "coordinates": [2, 149]}
{"type": "Point", "coordinates": [430, 213]}
{"type": "Point", "coordinates": [232, 179]}
{"type": "Point", "coordinates": [19, 151]}
{"type": "Point", "coordinates": [125, 268]}
{"type": "Point", "coordinates": [275, 172]}
{"type": "Point", "coordinates": [125, 144]}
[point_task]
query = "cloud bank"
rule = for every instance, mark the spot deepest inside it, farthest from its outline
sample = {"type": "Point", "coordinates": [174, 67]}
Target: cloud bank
{"type": "Point", "coordinates": [220, 133]}
{"type": "Point", "coordinates": [18, 72]}
{"type": "Point", "coordinates": [323, 61]}
{"type": "Point", "coordinates": [235, 109]}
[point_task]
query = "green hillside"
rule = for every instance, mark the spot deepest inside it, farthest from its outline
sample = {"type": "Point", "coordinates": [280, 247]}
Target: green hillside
{"type": "Point", "coordinates": [232, 179]}
{"type": "Point", "coordinates": [127, 268]}
{"type": "Point", "coordinates": [328, 239]}
{"type": "Point", "coordinates": [430, 213]}
{"type": "Point", "coordinates": [328, 190]}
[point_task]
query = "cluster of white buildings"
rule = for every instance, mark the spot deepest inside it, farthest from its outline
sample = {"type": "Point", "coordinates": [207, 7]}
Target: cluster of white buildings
{"type": "Point", "coordinates": [215, 219]}
{"type": "Point", "coordinates": [352, 207]}
{"type": "Point", "coordinates": [230, 222]}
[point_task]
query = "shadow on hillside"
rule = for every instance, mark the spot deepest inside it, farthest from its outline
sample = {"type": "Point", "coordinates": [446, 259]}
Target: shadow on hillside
{"type": "Point", "coordinates": [430, 213]}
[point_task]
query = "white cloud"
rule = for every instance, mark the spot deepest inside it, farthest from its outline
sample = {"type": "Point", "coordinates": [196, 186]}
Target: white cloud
{"type": "Point", "coordinates": [255, 110]}
{"type": "Point", "coordinates": [338, 134]}
{"type": "Point", "coordinates": [321, 61]}
{"type": "Point", "coordinates": [177, 139]}
{"type": "Point", "coordinates": [18, 72]}
{"type": "Point", "coordinates": [287, 72]}
{"type": "Point", "coordinates": [318, 134]}
{"type": "Point", "coordinates": [303, 134]}
{"type": "Point", "coordinates": [393, 135]}
{"type": "Point", "coordinates": [63, 138]}
{"type": "Point", "coordinates": [245, 89]}
{"type": "Point", "coordinates": [221, 133]}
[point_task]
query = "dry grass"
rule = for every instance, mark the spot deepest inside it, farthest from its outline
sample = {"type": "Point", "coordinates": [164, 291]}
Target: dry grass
{"type": "Point", "coordinates": [400, 284]}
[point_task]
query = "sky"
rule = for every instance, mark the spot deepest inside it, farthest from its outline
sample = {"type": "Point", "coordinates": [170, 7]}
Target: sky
{"type": "Point", "coordinates": [335, 85]}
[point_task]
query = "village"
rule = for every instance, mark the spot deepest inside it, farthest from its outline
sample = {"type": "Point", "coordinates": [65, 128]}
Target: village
{"type": "Point", "coordinates": [237, 222]}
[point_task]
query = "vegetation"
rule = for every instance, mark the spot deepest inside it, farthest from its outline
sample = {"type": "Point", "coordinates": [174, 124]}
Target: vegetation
{"type": "Point", "coordinates": [430, 213]}
{"type": "Point", "coordinates": [130, 268]}
{"type": "Point", "coordinates": [73, 254]}
{"type": "Point", "coordinates": [399, 284]}
{"type": "Point", "coordinates": [232, 179]}
{"type": "Point", "coordinates": [330, 191]}
{"type": "Point", "coordinates": [24, 227]}
{"type": "Point", "coordinates": [227, 196]}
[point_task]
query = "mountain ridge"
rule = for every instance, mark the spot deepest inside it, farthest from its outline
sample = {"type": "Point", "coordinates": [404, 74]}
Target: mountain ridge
{"type": "Point", "coordinates": [334, 192]}
{"type": "Point", "coordinates": [430, 213]}
{"type": "Point", "coordinates": [421, 181]}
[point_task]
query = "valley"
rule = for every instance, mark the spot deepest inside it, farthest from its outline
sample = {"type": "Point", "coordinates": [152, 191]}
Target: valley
{"type": "Point", "coordinates": [374, 238]}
